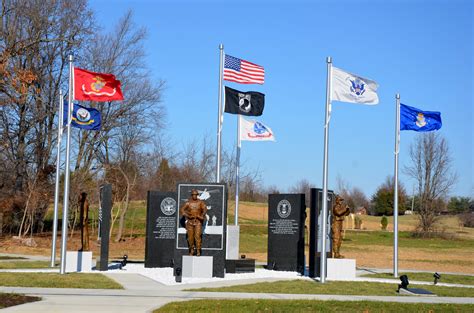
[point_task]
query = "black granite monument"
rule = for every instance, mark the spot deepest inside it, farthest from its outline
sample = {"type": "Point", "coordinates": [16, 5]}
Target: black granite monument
{"type": "Point", "coordinates": [104, 225]}
{"type": "Point", "coordinates": [214, 226]}
{"type": "Point", "coordinates": [161, 211]}
{"type": "Point", "coordinates": [286, 217]}
{"type": "Point", "coordinates": [315, 232]}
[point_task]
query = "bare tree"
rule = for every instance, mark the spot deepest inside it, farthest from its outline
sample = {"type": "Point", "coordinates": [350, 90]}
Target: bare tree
{"type": "Point", "coordinates": [432, 169]}
{"type": "Point", "coordinates": [353, 196]}
{"type": "Point", "coordinates": [35, 39]}
{"type": "Point", "coordinates": [121, 52]}
{"type": "Point", "coordinates": [272, 189]}
{"type": "Point", "coordinates": [303, 186]}
{"type": "Point", "coordinates": [357, 199]}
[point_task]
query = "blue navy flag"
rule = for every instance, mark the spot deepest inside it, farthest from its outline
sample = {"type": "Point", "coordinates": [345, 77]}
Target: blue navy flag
{"type": "Point", "coordinates": [82, 117]}
{"type": "Point", "coordinates": [421, 121]}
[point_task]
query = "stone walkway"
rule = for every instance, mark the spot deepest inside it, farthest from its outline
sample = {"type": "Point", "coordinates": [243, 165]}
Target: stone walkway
{"type": "Point", "coordinates": [142, 294]}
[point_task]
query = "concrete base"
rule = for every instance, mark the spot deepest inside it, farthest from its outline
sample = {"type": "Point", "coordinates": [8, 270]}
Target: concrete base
{"type": "Point", "coordinates": [78, 261]}
{"type": "Point", "coordinates": [341, 269]}
{"type": "Point", "coordinates": [232, 242]}
{"type": "Point", "coordinates": [197, 266]}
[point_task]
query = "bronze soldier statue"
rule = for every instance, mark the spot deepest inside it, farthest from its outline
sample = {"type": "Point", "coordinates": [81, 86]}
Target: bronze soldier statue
{"type": "Point", "coordinates": [84, 221]}
{"type": "Point", "coordinates": [194, 211]}
{"type": "Point", "coordinates": [339, 210]}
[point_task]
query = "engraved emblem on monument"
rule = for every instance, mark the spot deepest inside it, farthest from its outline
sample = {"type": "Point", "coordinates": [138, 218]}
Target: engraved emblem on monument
{"type": "Point", "coordinates": [168, 206]}
{"type": "Point", "coordinates": [284, 208]}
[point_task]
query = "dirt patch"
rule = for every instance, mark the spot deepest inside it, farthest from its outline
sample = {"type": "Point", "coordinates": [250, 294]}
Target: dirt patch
{"type": "Point", "coordinates": [11, 299]}
{"type": "Point", "coordinates": [459, 261]}
{"type": "Point", "coordinates": [251, 211]}
{"type": "Point", "coordinates": [133, 247]}
{"type": "Point", "coordinates": [408, 259]}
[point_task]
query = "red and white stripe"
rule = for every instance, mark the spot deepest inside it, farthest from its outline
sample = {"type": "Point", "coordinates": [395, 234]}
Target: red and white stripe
{"type": "Point", "coordinates": [250, 73]}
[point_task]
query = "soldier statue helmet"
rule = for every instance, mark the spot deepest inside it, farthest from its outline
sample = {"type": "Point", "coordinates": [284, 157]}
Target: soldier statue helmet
{"type": "Point", "coordinates": [194, 212]}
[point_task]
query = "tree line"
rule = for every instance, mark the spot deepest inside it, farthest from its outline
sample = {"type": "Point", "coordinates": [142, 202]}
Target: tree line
{"type": "Point", "coordinates": [431, 168]}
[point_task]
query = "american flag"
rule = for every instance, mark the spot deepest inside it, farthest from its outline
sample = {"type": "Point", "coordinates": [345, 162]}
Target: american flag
{"type": "Point", "coordinates": [243, 72]}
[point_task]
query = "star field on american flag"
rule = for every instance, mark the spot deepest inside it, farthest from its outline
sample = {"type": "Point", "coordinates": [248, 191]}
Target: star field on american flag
{"type": "Point", "coordinates": [243, 72]}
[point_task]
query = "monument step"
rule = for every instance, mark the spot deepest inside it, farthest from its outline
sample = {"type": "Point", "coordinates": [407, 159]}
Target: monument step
{"type": "Point", "coordinates": [240, 266]}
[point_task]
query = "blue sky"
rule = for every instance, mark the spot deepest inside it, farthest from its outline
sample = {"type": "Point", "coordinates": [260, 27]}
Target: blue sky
{"type": "Point", "coordinates": [421, 49]}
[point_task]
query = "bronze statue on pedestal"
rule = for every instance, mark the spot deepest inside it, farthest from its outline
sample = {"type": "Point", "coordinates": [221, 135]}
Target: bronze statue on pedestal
{"type": "Point", "coordinates": [84, 221]}
{"type": "Point", "coordinates": [194, 211]}
{"type": "Point", "coordinates": [339, 211]}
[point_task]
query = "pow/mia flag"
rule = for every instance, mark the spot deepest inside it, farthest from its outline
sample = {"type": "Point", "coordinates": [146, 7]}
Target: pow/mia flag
{"type": "Point", "coordinates": [250, 103]}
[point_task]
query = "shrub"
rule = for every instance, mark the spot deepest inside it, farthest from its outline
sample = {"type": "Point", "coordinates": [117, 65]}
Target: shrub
{"type": "Point", "coordinates": [357, 222]}
{"type": "Point", "coordinates": [384, 222]}
{"type": "Point", "coordinates": [467, 219]}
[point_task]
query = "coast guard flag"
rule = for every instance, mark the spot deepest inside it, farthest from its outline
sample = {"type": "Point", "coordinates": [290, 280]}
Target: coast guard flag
{"type": "Point", "coordinates": [91, 86]}
{"type": "Point", "coordinates": [421, 121]}
{"type": "Point", "coordinates": [255, 131]}
{"type": "Point", "coordinates": [250, 103]}
{"type": "Point", "coordinates": [82, 117]}
{"type": "Point", "coordinates": [243, 72]}
{"type": "Point", "coordinates": [348, 87]}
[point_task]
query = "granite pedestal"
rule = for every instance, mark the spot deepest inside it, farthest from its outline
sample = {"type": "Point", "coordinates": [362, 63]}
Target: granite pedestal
{"type": "Point", "coordinates": [233, 237]}
{"type": "Point", "coordinates": [78, 261]}
{"type": "Point", "coordinates": [197, 266]}
{"type": "Point", "coordinates": [341, 269]}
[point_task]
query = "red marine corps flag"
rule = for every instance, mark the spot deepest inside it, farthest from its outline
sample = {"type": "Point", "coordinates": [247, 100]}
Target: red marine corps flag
{"type": "Point", "coordinates": [90, 86]}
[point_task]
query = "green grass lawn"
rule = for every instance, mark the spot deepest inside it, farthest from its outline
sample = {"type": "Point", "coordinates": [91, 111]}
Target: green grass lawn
{"type": "Point", "coordinates": [253, 238]}
{"type": "Point", "coordinates": [445, 278]}
{"type": "Point", "coordinates": [338, 288]}
{"type": "Point", "coordinates": [55, 280]}
{"type": "Point", "coordinates": [254, 305]}
{"type": "Point", "coordinates": [355, 239]}
{"type": "Point", "coordinates": [24, 264]}
{"type": "Point", "coordinates": [11, 299]}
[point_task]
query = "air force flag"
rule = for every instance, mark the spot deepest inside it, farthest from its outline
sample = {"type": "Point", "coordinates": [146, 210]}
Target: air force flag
{"type": "Point", "coordinates": [421, 121]}
{"type": "Point", "coordinates": [255, 131]}
{"type": "Point", "coordinates": [82, 117]}
{"type": "Point", "coordinates": [347, 87]}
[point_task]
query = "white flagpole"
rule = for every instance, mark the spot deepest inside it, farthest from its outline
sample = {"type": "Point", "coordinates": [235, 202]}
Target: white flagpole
{"type": "Point", "coordinates": [325, 172]}
{"type": "Point", "coordinates": [237, 170]}
{"type": "Point", "coordinates": [58, 175]}
{"type": "Point", "coordinates": [219, 117]}
{"type": "Point", "coordinates": [66, 179]}
{"type": "Point", "coordinates": [395, 192]}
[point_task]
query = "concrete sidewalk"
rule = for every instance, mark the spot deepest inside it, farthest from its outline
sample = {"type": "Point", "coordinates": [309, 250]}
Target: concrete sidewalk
{"type": "Point", "coordinates": [24, 257]}
{"type": "Point", "coordinates": [142, 294]}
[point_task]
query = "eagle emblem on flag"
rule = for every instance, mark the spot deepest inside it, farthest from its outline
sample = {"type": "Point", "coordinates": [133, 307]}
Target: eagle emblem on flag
{"type": "Point", "coordinates": [357, 87]}
{"type": "Point", "coordinates": [98, 84]}
{"type": "Point", "coordinates": [91, 86]}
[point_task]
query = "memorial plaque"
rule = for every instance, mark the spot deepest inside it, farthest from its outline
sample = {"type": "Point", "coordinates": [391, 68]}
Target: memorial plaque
{"type": "Point", "coordinates": [286, 216]}
{"type": "Point", "coordinates": [315, 230]}
{"type": "Point", "coordinates": [214, 225]}
{"type": "Point", "coordinates": [160, 228]}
